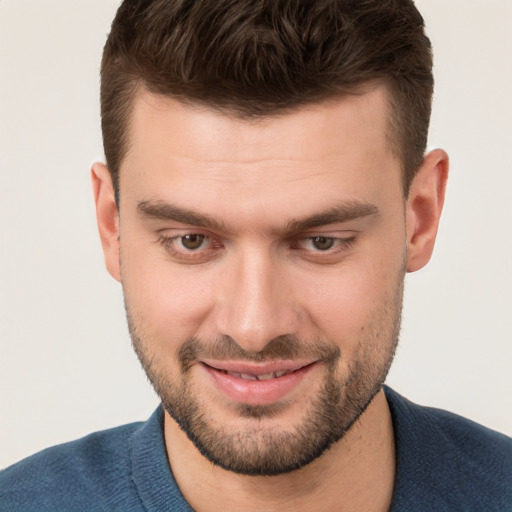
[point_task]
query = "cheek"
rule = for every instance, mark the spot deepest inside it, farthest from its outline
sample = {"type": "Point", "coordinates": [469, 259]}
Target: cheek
{"type": "Point", "coordinates": [346, 304]}
{"type": "Point", "coordinates": [338, 305]}
{"type": "Point", "coordinates": [170, 301]}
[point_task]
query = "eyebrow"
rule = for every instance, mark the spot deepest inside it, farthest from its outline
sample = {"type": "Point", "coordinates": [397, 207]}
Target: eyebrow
{"type": "Point", "coordinates": [165, 211]}
{"type": "Point", "coordinates": [340, 213]}
{"type": "Point", "coordinates": [343, 212]}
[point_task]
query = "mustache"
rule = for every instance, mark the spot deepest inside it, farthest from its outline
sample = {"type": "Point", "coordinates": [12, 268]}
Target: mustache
{"type": "Point", "coordinates": [285, 347]}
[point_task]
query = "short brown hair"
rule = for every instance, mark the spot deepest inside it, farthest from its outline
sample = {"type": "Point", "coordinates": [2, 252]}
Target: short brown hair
{"type": "Point", "coordinates": [264, 57]}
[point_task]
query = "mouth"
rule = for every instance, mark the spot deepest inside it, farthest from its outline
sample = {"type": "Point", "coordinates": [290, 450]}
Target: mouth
{"type": "Point", "coordinates": [257, 384]}
{"type": "Point", "coordinates": [263, 376]}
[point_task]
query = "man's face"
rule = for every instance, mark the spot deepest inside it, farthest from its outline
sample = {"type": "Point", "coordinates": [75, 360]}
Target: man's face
{"type": "Point", "coordinates": [262, 265]}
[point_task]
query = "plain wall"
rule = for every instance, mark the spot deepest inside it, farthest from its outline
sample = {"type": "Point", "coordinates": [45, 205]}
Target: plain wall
{"type": "Point", "coordinates": [66, 363]}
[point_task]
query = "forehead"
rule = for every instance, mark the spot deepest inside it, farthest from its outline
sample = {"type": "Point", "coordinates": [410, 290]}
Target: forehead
{"type": "Point", "coordinates": [336, 148]}
{"type": "Point", "coordinates": [161, 118]}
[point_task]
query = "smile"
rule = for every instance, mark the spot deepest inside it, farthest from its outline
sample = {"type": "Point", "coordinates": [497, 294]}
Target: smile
{"type": "Point", "coordinates": [254, 384]}
{"type": "Point", "coordinates": [264, 376]}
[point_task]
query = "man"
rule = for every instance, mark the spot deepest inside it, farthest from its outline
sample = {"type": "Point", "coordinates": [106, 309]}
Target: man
{"type": "Point", "coordinates": [265, 192]}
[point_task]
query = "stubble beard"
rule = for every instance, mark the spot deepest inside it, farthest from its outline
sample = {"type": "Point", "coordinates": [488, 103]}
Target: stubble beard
{"type": "Point", "coordinates": [262, 449]}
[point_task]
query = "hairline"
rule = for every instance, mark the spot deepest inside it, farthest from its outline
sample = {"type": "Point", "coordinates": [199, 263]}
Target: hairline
{"type": "Point", "coordinates": [139, 86]}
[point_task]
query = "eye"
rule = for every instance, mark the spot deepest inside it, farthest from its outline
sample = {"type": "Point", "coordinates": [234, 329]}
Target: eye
{"type": "Point", "coordinates": [324, 248]}
{"type": "Point", "coordinates": [319, 243]}
{"type": "Point", "coordinates": [322, 243]}
{"type": "Point", "coordinates": [190, 247]}
{"type": "Point", "coordinates": [192, 242]}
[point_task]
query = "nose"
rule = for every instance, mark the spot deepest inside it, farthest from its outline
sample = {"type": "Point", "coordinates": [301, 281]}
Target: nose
{"type": "Point", "coordinates": [256, 302]}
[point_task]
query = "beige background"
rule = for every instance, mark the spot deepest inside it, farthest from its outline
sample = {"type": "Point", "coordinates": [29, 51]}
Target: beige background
{"type": "Point", "coordinates": [66, 364]}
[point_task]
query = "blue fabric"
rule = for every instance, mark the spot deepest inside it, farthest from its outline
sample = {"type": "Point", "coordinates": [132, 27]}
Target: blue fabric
{"type": "Point", "coordinates": [444, 463]}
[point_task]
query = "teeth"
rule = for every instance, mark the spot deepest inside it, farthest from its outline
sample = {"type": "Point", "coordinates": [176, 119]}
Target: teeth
{"type": "Point", "coordinates": [248, 376]}
{"type": "Point", "coordinates": [264, 376]}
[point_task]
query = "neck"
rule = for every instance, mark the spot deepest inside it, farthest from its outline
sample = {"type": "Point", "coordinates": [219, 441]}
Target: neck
{"type": "Point", "coordinates": [356, 473]}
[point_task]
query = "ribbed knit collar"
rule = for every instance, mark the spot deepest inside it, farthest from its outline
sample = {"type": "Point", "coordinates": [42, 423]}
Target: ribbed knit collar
{"type": "Point", "coordinates": [151, 472]}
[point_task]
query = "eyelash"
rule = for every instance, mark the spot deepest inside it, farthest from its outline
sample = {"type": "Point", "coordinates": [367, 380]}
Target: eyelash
{"type": "Point", "coordinates": [340, 243]}
{"type": "Point", "coordinates": [168, 243]}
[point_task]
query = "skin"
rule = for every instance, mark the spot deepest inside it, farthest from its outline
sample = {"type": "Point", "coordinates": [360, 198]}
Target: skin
{"type": "Point", "coordinates": [255, 280]}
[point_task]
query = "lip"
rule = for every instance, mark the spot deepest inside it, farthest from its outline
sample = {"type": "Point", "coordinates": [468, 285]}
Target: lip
{"type": "Point", "coordinates": [257, 392]}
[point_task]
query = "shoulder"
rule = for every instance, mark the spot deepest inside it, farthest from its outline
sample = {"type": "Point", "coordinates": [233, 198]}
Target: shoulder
{"type": "Point", "coordinates": [58, 478]}
{"type": "Point", "coordinates": [449, 461]}
{"type": "Point", "coordinates": [473, 439]}
{"type": "Point", "coordinates": [122, 469]}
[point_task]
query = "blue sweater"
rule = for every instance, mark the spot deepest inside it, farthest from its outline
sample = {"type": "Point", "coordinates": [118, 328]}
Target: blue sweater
{"type": "Point", "coordinates": [444, 463]}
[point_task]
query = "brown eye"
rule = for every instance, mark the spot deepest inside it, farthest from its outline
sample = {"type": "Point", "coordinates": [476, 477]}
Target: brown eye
{"type": "Point", "coordinates": [192, 242]}
{"type": "Point", "coordinates": [322, 243]}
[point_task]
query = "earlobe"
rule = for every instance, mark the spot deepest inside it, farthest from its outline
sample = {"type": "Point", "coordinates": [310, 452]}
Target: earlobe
{"type": "Point", "coordinates": [423, 209]}
{"type": "Point", "coordinates": [107, 216]}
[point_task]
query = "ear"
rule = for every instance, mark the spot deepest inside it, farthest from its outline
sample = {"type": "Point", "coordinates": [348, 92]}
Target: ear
{"type": "Point", "coordinates": [107, 216]}
{"type": "Point", "coordinates": [423, 208]}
